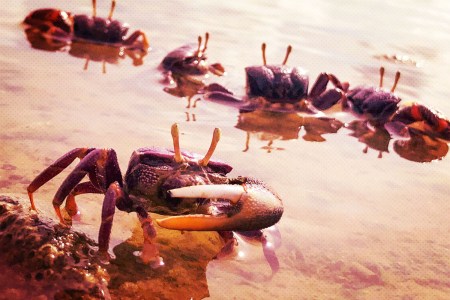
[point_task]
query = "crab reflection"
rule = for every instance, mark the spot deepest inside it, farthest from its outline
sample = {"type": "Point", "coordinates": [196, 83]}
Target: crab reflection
{"type": "Point", "coordinates": [271, 125]}
{"type": "Point", "coordinates": [106, 54]}
{"type": "Point", "coordinates": [411, 144]}
{"type": "Point", "coordinates": [421, 148]}
{"type": "Point", "coordinates": [188, 255]}
{"type": "Point", "coordinates": [186, 87]}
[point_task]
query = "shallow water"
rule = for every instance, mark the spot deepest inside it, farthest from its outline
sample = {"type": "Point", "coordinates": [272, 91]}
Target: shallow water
{"type": "Point", "coordinates": [356, 226]}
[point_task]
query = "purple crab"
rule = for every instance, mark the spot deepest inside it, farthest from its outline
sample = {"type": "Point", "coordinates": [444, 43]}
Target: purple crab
{"type": "Point", "coordinates": [193, 190]}
{"type": "Point", "coordinates": [191, 60]}
{"type": "Point", "coordinates": [423, 119]}
{"type": "Point", "coordinates": [376, 104]}
{"type": "Point", "coordinates": [64, 26]}
{"type": "Point", "coordinates": [275, 86]}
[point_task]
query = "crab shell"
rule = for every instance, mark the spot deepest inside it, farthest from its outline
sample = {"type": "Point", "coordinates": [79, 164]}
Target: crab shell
{"type": "Point", "coordinates": [186, 61]}
{"type": "Point", "coordinates": [377, 104]}
{"type": "Point", "coordinates": [424, 119]}
{"type": "Point", "coordinates": [47, 19]}
{"type": "Point", "coordinates": [64, 25]}
{"type": "Point", "coordinates": [99, 29]}
{"type": "Point", "coordinates": [155, 181]}
{"type": "Point", "coordinates": [277, 83]}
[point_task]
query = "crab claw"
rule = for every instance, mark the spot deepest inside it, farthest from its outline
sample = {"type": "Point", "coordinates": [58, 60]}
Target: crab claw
{"type": "Point", "coordinates": [250, 206]}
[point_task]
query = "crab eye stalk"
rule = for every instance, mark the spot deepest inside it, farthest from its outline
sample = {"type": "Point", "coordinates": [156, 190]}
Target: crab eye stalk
{"type": "Point", "coordinates": [263, 49]}
{"type": "Point", "coordinates": [206, 42]}
{"type": "Point", "coordinates": [94, 8]}
{"type": "Point", "coordinates": [199, 45]}
{"type": "Point", "coordinates": [381, 76]}
{"type": "Point", "coordinates": [397, 78]}
{"type": "Point", "coordinates": [288, 51]}
{"type": "Point", "coordinates": [111, 11]}
{"type": "Point", "coordinates": [176, 143]}
{"type": "Point", "coordinates": [212, 147]}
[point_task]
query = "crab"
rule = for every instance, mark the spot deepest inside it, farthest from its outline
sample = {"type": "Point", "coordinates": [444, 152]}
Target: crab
{"type": "Point", "coordinates": [375, 104]}
{"type": "Point", "coordinates": [423, 119]}
{"type": "Point", "coordinates": [85, 50]}
{"type": "Point", "coordinates": [277, 87]}
{"type": "Point", "coordinates": [192, 190]}
{"type": "Point", "coordinates": [66, 27]}
{"type": "Point", "coordinates": [190, 60]}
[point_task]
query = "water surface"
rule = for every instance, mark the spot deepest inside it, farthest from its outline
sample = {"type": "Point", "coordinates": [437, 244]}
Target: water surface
{"type": "Point", "coordinates": [356, 226]}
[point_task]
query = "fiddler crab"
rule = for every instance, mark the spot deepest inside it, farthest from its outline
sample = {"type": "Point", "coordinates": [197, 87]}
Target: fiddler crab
{"type": "Point", "coordinates": [190, 60]}
{"type": "Point", "coordinates": [64, 26]}
{"type": "Point", "coordinates": [380, 107]}
{"type": "Point", "coordinates": [422, 119]}
{"type": "Point", "coordinates": [376, 104]}
{"type": "Point", "coordinates": [281, 87]}
{"type": "Point", "coordinates": [193, 190]}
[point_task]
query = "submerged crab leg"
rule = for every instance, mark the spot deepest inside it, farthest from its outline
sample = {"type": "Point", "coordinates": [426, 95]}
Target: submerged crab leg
{"type": "Point", "coordinates": [212, 147]}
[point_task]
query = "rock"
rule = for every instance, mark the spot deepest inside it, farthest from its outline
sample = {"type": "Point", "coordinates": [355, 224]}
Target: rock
{"type": "Point", "coordinates": [40, 258]}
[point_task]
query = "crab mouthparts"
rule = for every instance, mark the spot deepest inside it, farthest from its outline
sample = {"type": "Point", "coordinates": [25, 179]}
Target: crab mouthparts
{"type": "Point", "coordinates": [201, 222]}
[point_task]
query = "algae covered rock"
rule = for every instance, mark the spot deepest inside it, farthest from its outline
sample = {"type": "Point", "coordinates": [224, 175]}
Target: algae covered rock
{"type": "Point", "coordinates": [41, 259]}
{"type": "Point", "coordinates": [44, 260]}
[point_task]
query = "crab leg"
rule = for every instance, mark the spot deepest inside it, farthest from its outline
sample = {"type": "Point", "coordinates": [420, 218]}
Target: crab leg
{"type": "Point", "coordinates": [103, 169]}
{"type": "Point", "coordinates": [113, 194]}
{"type": "Point", "coordinates": [134, 36]}
{"type": "Point", "coordinates": [54, 169]}
{"type": "Point", "coordinates": [150, 252]}
{"type": "Point", "coordinates": [82, 188]}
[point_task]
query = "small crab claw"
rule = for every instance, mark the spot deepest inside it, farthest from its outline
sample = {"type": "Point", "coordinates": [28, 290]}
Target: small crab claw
{"type": "Point", "coordinates": [252, 206]}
